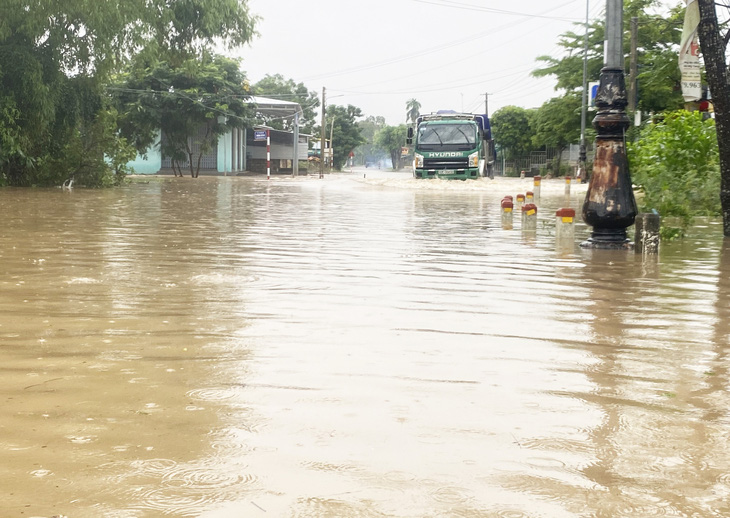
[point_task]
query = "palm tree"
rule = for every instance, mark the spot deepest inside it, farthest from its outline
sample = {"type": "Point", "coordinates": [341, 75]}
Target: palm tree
{"type": "Point", "coordinates": [412, 110]}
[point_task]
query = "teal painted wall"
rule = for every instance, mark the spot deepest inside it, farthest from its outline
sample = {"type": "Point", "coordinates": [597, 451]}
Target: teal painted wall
{"type": "Point", "coordinates": [149, 165]}
{"type": "Point", "coordinates": [225, 153]}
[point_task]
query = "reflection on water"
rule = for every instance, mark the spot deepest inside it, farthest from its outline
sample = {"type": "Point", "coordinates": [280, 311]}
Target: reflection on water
{"type": "Point", "coordinates": [228, 347]}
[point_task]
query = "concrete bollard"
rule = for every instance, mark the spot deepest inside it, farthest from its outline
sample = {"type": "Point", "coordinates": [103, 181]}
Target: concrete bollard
{"type": "Point", "coordinates": [520, 201]}
{"type": "Point", "coordinates": [522, 175]}
{"type": "Point", "coordinates": [568, 181]}
{"type": "Point", "coordinates": [507, 214]}
{"type": "Point", "coordinates": [565, 225]}
{"type": "Point", "coordinates": [536, 188]}
{"type": "Point", "coordinates": [529, 218]}
{"type": "Point", "coordinates": [646, 238]}
{"type": "Point", "coordinates": [529, 197]}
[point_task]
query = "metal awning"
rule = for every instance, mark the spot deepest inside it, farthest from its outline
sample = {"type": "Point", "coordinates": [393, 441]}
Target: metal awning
{"type": "Point", "coordinates": [279, 108]}
{"type": "Point", "coordinates": [275, 107]}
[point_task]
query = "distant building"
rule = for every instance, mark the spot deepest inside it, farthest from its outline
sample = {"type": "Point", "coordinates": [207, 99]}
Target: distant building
{"type": "Point", "coordinates": [238, 150]}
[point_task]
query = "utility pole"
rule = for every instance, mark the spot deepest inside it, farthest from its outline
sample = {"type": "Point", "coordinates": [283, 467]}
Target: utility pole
{"type": "Point", "coordinates": [634, 66]}
{"type": "Point", "coordinates": [295, 162]}
{"type": "Point", "coordinates": [583, 153]}
{"type": "Point", "coordinates": [332, 150]}
{"type": "Point", "coordinates": [610, 206]}
{"type": "Point", "coordinates": [486, 104]}
{"type": "Point", "coordinates": [321, 146]}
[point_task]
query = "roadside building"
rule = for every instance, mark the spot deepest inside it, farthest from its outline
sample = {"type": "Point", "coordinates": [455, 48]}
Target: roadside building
{"type": "Point", "coordinates": [239, 151]}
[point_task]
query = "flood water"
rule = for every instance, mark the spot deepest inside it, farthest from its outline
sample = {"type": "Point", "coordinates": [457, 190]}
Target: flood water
{"type": "Point", "coordinates": [352, 347]}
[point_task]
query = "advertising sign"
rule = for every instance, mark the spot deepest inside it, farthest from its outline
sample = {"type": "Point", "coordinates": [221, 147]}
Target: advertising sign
{"type": "Point", "coordinates": [689, 54]}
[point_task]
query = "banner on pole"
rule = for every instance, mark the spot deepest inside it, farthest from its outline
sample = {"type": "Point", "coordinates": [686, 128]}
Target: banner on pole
{"type": "Point", "coordinates": [689, 54]}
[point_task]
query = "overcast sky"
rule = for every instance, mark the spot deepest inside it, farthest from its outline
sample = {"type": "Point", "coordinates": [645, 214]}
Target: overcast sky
{"type": "Point", "coordinates": [378, 54]}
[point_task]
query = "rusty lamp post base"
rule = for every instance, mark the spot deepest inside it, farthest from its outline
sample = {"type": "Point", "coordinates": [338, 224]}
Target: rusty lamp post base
{"type": "Point", "coordinates": [610, 206]}
{"type": "Point", "coordinates": [608, 241]}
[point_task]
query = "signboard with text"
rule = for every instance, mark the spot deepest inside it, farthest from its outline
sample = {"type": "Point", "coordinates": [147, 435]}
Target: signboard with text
{"type": "Point", "coordinates": [689, 54]}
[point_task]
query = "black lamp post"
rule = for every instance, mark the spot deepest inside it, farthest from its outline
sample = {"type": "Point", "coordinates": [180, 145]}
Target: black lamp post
{"type": "Point", "coordinates": [610, 206]}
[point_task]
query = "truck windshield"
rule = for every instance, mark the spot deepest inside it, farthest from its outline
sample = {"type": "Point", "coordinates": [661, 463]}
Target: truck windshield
{"type": "Point", "coordinates": [459, 136]}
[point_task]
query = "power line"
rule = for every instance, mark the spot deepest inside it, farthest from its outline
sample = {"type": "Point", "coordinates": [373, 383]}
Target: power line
{"type": "Point", "coordinates": [404, 57]}
{"type": "Point", "coordinates": [424, 52]}
{"type": "Point", "coordinates": [471, 7]}
{"type": "Point", "coordinates": [451, 63]}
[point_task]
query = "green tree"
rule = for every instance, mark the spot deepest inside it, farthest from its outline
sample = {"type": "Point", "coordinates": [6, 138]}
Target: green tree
{"type": "Point", "coordinates": [568, 70]}
{"type": "Point", "coordinates": [55, 60]}
{"type": "Point", "coordinates": [346, 134]}
{"type": "Point", "coordinates": [368, 129]}
{"type": "Point", "coordinates": [92, 36]}
{"type": "Point", "coordinates": [512, 130]}
{"type": "Point", "coordinates": [658, 76]}
{"type": "Point", "coordinates": [189, 27]}
{"type": "Point", "coordinates": [557, 124]}
{"type": "Point", "coordinates": [193, 104]}
{"type": "Point", "coordinates": [675, 163]}
{"type": "Point", "coordinates": [54, 126]}
{"type": "Point", "coordinates": [277, 87]}
{"type": "Point", "coordinates": [392, 139]}
{"type": "Point", "coordinates": [413, 110]}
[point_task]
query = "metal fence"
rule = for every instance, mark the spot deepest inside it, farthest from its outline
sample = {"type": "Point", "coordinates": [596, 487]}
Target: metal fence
{"type": "Point", "coordinates": [538, 162]}
{"type": "Point", "coordinates": [209, 159]}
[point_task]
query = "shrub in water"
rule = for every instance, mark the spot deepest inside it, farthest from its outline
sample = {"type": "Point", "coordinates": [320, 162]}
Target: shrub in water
{"type": "Point", "coordinates": [675, 164]}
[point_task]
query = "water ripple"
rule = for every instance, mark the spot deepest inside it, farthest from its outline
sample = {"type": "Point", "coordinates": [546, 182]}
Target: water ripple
{"type": "Point", "coordinates": [213, 394]}
{"type": "Point", "coordinates": [173, 504]}
{"type": "Point", "coordinates": [330, 508]}
{"type": "Point", "coordinates": [450, 495]}
{"type": "Point", "coordinates": [206, 478]}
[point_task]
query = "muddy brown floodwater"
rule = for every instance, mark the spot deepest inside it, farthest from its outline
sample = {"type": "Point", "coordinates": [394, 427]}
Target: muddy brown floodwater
{"type": "Point", "coordinates": [352, 347]}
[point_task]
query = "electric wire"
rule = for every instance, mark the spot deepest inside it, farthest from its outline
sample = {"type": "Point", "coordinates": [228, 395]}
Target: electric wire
{"type": "Point", "coordinates": [211, 97]}
{"type": "Point", "coordinates": [471, 7]}
{"type": "Point", "coordinates": [420, 53]}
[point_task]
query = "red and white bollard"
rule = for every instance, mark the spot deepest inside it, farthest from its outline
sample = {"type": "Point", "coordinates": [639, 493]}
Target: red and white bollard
{"type": "Point", "coordinates": [529, 218]}
{"type": "Point", "coordinates": [520, 201]}
{"type": "Point", "coordinates": [529, 197]}
{"type": "Point", "coordinates": [268, 154]}
{"type": "Point", "coordinates": [536, 188]}
{"type": "Point", "coordinates": [565, 225]}
{"type": "Point", "coordinates": [507, 213]}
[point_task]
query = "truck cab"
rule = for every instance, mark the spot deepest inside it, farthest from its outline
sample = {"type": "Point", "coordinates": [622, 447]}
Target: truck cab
{"type": "Point", "coordinates": [452, 145]}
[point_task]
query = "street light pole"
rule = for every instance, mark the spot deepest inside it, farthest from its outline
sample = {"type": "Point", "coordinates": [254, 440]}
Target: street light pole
{"type": "Point", "coordinates": [610, 206]}
{"type": "Point", "coordinates": [582, 157]}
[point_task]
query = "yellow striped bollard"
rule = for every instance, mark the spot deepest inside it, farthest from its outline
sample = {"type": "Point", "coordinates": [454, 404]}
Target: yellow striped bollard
{"type": "Point", "coordinates": [565, 225]}
{"type": "Point", "coordinates": [507, 213]}
{"type": "Point", "coordinates": [520, 201]}
{"type": "Point", "coordinates": [529, 217]}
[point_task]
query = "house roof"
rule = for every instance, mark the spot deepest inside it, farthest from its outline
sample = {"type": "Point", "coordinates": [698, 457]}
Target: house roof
{"type": "Point", "coordinates": [274, 107]}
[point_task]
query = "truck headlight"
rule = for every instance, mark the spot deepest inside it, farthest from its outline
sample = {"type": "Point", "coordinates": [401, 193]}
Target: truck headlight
{"type": "Point", "coordinates": [417, 161]}
{"type": "Point", "coordinates": [474, 160]}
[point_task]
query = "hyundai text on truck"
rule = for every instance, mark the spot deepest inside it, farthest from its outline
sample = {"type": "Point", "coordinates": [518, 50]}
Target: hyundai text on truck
{"type": "Point", "coordinates": [452, 145]}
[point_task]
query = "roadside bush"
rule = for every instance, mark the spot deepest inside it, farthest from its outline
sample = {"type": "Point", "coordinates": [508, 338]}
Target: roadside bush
{"type": "Point", "coordinates": [675, 164]}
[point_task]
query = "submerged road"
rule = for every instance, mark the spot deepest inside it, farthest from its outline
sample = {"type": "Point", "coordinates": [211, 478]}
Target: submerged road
{"type": "Point", "coordinates": [363, 345]}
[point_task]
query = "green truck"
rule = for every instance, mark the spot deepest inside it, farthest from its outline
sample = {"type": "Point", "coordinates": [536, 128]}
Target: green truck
{"type": "Point", "coordinates": [452, 145]}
